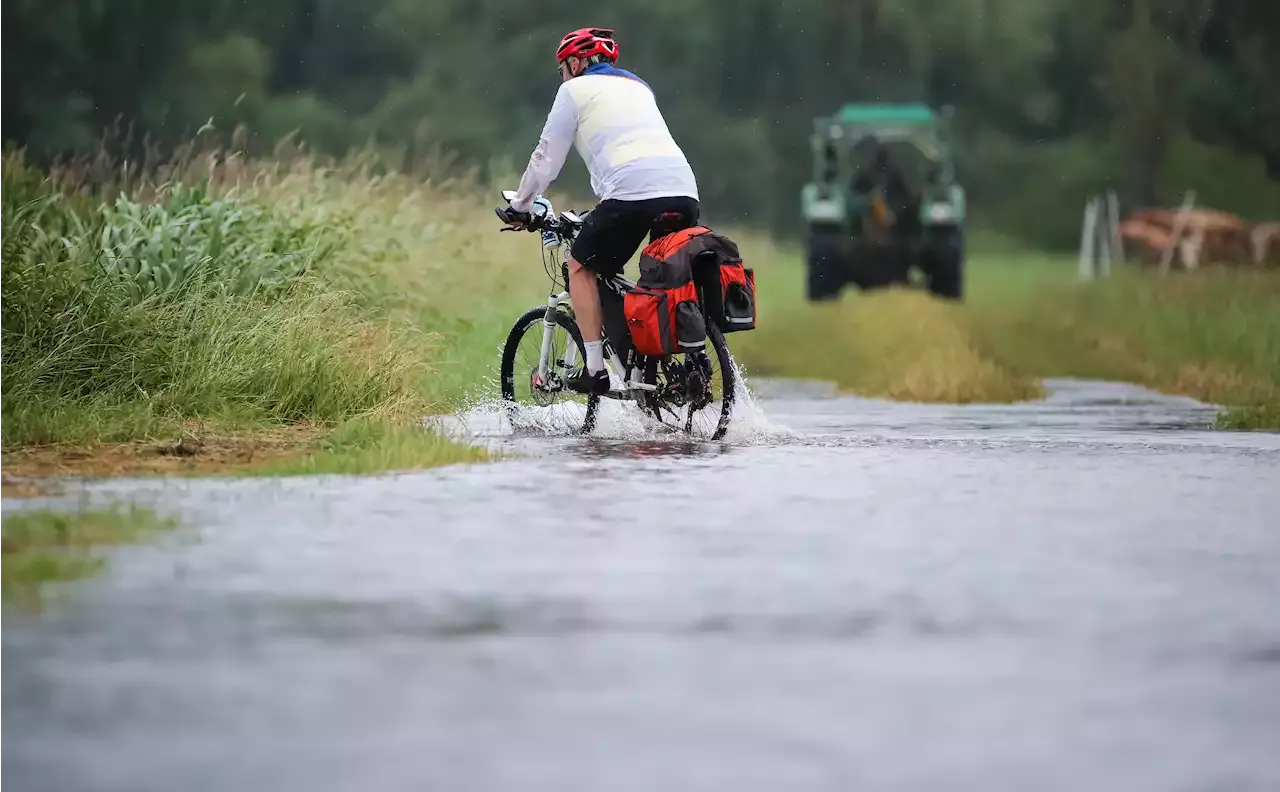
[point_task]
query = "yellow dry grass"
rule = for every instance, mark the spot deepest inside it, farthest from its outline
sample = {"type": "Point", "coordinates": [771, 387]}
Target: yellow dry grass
{"type": "Point", "coordinates": [895, 343]}
{"type": "Point", "coordinates": [911, 347]}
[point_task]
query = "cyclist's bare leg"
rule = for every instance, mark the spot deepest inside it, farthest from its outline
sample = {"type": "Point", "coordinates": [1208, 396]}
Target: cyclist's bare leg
{"type": "Point", "coordinates": [584, 294]}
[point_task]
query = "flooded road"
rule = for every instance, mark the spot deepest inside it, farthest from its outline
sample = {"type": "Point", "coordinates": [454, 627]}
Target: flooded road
{"type": "Point", "coordinates": [1077, 594]}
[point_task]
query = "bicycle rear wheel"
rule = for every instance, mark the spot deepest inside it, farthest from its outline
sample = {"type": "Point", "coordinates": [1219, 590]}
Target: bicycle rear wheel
{"type": "Point", "coordinates": [701, 412]}
{"type": "Point", "coordinates": [543, 402]}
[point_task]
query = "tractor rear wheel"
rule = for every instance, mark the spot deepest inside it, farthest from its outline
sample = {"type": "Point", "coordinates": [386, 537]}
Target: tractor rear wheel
{"type": "Point", "coordinates": [945, 263]}
{"type": "Point", "coordinates": [824, 266]}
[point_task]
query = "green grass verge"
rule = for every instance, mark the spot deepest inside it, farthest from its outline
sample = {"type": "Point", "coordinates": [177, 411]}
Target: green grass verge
{"type": "Point", "coordinates": [1213, 335]}
{"type": "Point", "coordinates": [42, 546]}
{"type": "Point", "coordinates": [1260, 416]}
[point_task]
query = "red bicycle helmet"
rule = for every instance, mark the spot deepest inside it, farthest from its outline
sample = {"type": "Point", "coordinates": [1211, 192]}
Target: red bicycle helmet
{"type": "Point", "coordinates": [586, 42]}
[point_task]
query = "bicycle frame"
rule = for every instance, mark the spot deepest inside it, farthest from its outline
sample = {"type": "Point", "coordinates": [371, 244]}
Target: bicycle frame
{"type": "Point", "coordinates": [627, 374]}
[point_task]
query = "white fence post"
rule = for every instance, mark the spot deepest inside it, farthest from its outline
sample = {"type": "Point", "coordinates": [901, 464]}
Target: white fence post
{"type": "Point", "coordinates": [1088, 240]}
{"type": "Point", "coordinates": [1113, 215]}
{"type": "Point", "coordinates": [1104, 237]}
{"type": "Point", "coordinates": [1179, 222]}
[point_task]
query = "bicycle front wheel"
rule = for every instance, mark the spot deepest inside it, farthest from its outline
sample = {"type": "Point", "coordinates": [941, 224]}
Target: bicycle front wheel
{"type": "Point", "coordinates": [533, 385]}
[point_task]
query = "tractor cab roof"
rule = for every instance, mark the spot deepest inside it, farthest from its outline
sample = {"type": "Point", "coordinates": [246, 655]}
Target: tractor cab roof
{"type": "Point", "coordinates": [913, 123]}
{"type": "Point", "coordinates": [886, 114]}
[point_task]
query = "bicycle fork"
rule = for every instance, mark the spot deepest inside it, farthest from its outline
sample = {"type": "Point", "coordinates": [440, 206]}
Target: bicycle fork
{"type": "Point", "coordinates": [548, 343]}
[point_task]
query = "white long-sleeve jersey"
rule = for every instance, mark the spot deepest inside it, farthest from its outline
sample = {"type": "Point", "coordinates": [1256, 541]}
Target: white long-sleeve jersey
{"type": "Point", "coordinates": [611, 117]}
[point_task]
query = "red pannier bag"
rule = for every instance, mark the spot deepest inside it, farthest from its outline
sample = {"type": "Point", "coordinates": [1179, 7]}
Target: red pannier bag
{"type": "Point", "coordinates": [737, 310]}
{"type": "Point", "coordinates": [662, 310]}
{"type": "Point", "coordinates": [726, 288]}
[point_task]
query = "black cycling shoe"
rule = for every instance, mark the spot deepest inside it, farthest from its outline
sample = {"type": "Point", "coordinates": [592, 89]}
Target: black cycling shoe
{"type": "Point", "coordinates": [592, 384]}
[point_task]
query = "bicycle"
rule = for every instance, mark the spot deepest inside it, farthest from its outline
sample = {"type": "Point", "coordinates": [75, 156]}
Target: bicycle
{"type": "Point", "coordinates": [701, 386]}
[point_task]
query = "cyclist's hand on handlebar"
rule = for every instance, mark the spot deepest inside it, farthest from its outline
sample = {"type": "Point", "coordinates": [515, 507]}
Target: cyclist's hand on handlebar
{"type": "Point", "coordinates": [515, 220]}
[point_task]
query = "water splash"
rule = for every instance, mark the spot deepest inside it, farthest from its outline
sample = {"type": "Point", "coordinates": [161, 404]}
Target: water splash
{"type": "Point", "coordinates": [750, 424]}
{"type": "Point", "coordinates": [487, 420]}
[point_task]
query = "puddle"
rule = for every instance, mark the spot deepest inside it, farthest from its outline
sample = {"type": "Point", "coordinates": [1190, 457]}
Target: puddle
{"type": "Point", "coordinates": [1075, 593]}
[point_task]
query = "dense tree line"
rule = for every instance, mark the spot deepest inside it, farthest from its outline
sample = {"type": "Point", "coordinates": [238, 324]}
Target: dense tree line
{"type": "Point", "coordinates": [1054, 98]}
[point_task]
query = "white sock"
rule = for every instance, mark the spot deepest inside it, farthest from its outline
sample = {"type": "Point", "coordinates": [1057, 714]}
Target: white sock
{"type": "Point", "coordinates": [595, 356]}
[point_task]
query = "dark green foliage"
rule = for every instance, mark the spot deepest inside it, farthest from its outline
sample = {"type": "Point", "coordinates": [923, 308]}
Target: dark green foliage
{"type": "Point", "coordinates": [1055, 98]}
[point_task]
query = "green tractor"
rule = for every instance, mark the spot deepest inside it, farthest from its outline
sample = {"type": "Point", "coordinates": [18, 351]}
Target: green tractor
{"type": "Point", "coordinates": [883, 207]}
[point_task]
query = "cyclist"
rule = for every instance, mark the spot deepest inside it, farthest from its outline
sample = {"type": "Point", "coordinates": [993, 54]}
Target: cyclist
{"type": "Point", "coordinates": [640, 175]}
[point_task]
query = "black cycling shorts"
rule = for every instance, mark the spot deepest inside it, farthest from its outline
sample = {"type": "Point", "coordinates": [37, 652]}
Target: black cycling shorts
{"type": "Point", "coordinates": [613, 231]}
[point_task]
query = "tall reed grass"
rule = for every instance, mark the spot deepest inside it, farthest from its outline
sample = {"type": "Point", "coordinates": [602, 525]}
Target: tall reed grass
{"type": "Point", "coordinates": [211, 287]}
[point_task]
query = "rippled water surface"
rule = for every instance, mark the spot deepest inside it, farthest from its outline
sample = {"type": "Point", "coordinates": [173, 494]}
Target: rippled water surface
{"type": "Point", "coordinates": [1081, 593]}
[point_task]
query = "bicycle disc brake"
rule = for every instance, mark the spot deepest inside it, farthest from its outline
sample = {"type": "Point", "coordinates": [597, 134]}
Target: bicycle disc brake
{"type": "Point", "coordinates": [553, 383]}
{"type": "Point", "coordinates": [698, 380]}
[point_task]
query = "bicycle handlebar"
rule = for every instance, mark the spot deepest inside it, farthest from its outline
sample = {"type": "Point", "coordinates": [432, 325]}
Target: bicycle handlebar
{"type": "Point", "coordinates": [559, 225]}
